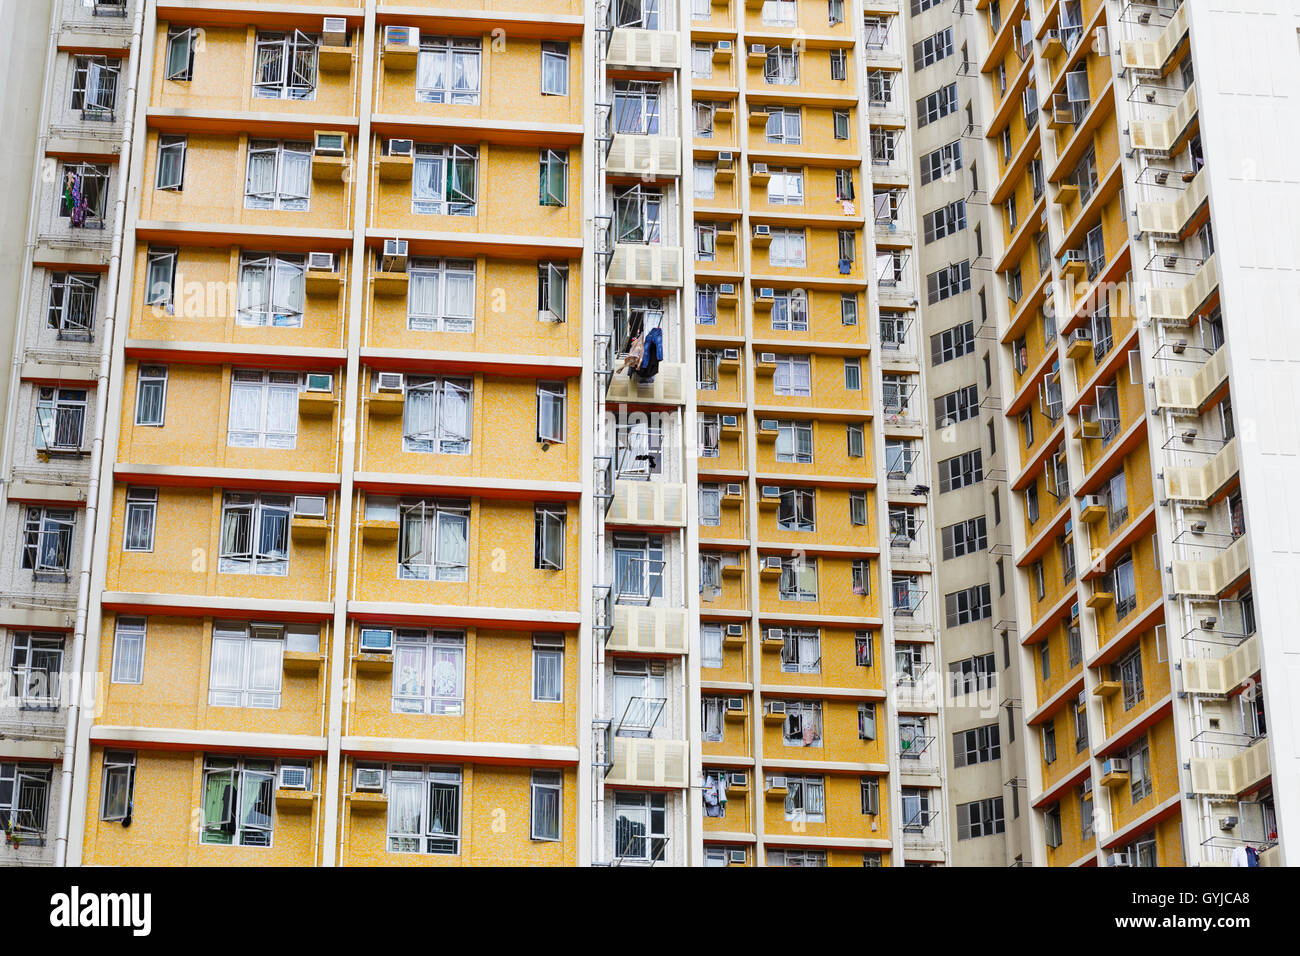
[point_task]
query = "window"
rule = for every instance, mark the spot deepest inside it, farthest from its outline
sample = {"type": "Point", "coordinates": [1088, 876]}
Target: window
{"type": "Point", "coordinates": [117, 785]}
{"type": "Point", "coordinates": [84, 198]}
{"type": "Point", "coordinates": [238, 801]}
{"type": "Point", "coordinates": [1117, 500]}
{"type": "Point", "coordinates": [973, 674]}
{"type": "Point", "coordinates": [712, 715]}
{"type": "Point", "coordinates": [636, 107]}
{"type": "Point", "coordinates": [552, 410]}
{"type": "Point", "coordinates": [980, 818]}
{"type": "Point", "coordinates": [780, 13]}
{"type": "Point", "coordinates": [640, 826]}
{"type": "Point", "coordinates": [160, 276]}
{"type": "Point", "coordinates": [785, 187]}
{"type": "Point", "coordinates": [932, 49]}
{"type": "Point", "coordinates": [72, 305]}
{"type": "Point", "coordinates": [429, 672]}
{"type": "Point", "coordinates": [437, 415]}
{"type": "Point", "coordinates": [638, 214]}
{"type": "Point", "coordinates": [863, 652]}
{"type": "Point", "coordinates": [798, 581]}
{"type": "Point", "coordinates": [796, 857]}
{"type": "Point", "coordinates": [179, 66]}
{"type": "Point", "coordinates": [710, 505]}
{"type": "Point", "coordinates": [839, 59]}
{"type": "Point", "coordinates": [793, 376]}
{"type": "Point", "coordinates": [948, 282]}
{"type": "Point", "coordinates": [861, 576]}
{"type": "Point", "coordinates": [60, 419]}
{"type": "Point", "coordinates": [702, 60]}
{"type": "Point", "coordinates": [978, 745]}
{"type": "Point", "coordinates": [548, 667]}
{"type": "Point", "coordinates": [802, 651]}
{"type": "Point", "coordinates": [706, 242]}
{"type": "Point", "coordinates": [967, 606]}
{"type": "Point", "coordinates": [964, 537]}
{"type": "Point", "coordinates": [271, 290]}
{"type": "Point", "coordinates": [1128, 671]}
{"type": "Point", "coordinates": [1049, 742]}
{"type": "Point", "coordinates": [263, 409]}
{"type": "Point", "coordinates": [952, 344]}
{"type": "Point", "coordinates": [884, 146]}
{"type": "Point", "coordinates": [545, 791]}
{"type": "Point", "coordinates": [704, 114]}
{"type": "Point", "coordinates": [796, 510]}
{"type": "Point", "coordinates": [94, 87]}
{"type": "Point", "coordinates": [708, 435]}
{"type": "Point", "coordinates": [782, 66]}
{"type": "Point", "coordinates": [440, 295]}
{"type": "Point", "coordinates": [279, 175]}
{"type": "Point", "coordinates": [805, 799]}
{"type": "Point", "coordinates": [444, 180]}
{"type": "Point", "coordinates": [36, 667]}
{"type": "Point", "coordinates": [47, 541]}
{"type": "Point", "coordinates": [553, 178]}
{"type": "Point", "coordinates": [24, 800]}
{"type": "Point", "coordinates": [247, 664]}
{"type": "Point", "coordinates": [286, 66]}
{"type": "Point", "coordinates": [840, 124]}
{"type": "Point", "coordinates": [848, 309]}
{"type": "Point", "coordinates": [1125, 587]}
{"type": "Point", "coordinates": [424, 810]}
{"type": "Point", "coordinates": [710, 645]}
{"type": "Point", "coordinates": [555, 69]}
{"type": "Point", "coordinates": [942, 162]}
{"type": "Point", "coordinates": [961, 471]}
{"type": "Point", "coordinates": [847, 249]}
{"type": "Point", "coordinates": [938, 104]}
{"type": "Point", "coordinates": [946, 221]}
{"type": "Point", "coordinates": [254, 534]}
{"type": "Point", "coordinates": [433, 540]}
{"type": "Point", "coordinates": [853, 374]}
{"type": "Point", "coordinates": [1139, 769]}
{"type": "Point", "coordinates": [788, 248]}
{"type": "Point", "coordinates": [448, 70]}
{"type": "Point", "coordinates": [856, 441]}
{"type": "Point", "coordinates": [151, 395]}
{"type": "Point", "coordinates": [794, 442]}
{"type": "Point", "coordinates": [171, 162]}
{"type": "Point", "coordinates": [548, 537]}
{"type": "Point", "coordinates": [128, 651]}
{"type": "Point", "coordinates": [870, 790]}
{"type": "Point", "coordinates": [706, 304]}
{"type": "Point", "coordinates": [1031, 499]}
{"type": "Point", "coordinates": [784, 125]}
{"type": "Point", "coordinates": [704, 173]}
{"type": "Point", "coordinates": [141, 513]}
{"type": "Point", "coordinates": [957, 406]}
{"type": "Point", "coordinates": [790, 310]}
{"type": "Point", "coordinates": [803, 724]}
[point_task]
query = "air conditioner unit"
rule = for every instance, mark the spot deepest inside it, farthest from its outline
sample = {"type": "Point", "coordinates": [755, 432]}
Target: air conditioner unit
{"type": "Point", "coordinates": [1189, 435]}
{"type": "Point", "coordinates": [765, 292]}
{"type": "Point", "coordinates": [1074, 611]}
{"type": "Point", "coordinates": [1087, 786]}
{"type": "Point", "coordinates": [771, 491]}
{"type": "Point", "coordinates": [731, 354]}
{"type": "Point", "coordinates": [321, 261]}
{"type": "Point", "coordinates": [777, 783]}
{"type": "Point", "coordinates": [376, 640]}
{"type": "Point", "coordinates": [760, 169]}
{"type": "Point", "coordinates": [401, 147]}
{"type": "Point", "coordinates": [740, 779]}
{"type": "Point", "coordinates": [762, 229]}
{"type": "Point", "coordinates": [309, 506]}
{"type": "Point", "coordinates": [1094, 501]}
{"type": "Point", "coordinates": [394, 258]}
{"type": "Point", "coordinates": [725, 159]}
{"type": "Point", "coordinates": [727, 288]}
{"type": "Point", "coordinates": [1081, 335]}
{"type": "Point", "coordinates": [1198, 527]}
{"type": "Point", "coordinates": [757, 49]}
{"type": "Point", "coordinates": [1114, 765]}
{"type": "Point", "coordinates": [1209, 623]}
{"type": "Point", "coordinates": [773, 562]}
{"type": "Point", "coordinates": [730, 421]}
{"type": "Point", "coordinates": [295, 776]}
{"type": "Point", "coordinates": [334, 31]}
{"type": "Point", "coordinates": [767, 358]}
{"type": "Point", "coordinates": [769, 425]}
{"type": "Point", "coordinates": [388, 381]}
{"type": "Point", "coordinates": [330, 144]}
{"type": "Point", "coordinates": [723, 46]}
{"type": "Point", "coordinates": [368, 779]}
{"type": "Point", "coordinates": [320, 382]}
{"type": "Point", "coordinates": [1072, 255]}
{"type": "Point", "coordinates": [1118, 859]}
{"type": "Point", "coordinates": [734, 489]}
{"type": "Point", "coordinates": [1052, 35]}
{"type": "Point", "coordinates": [1227, 823]}
{"type": "Point", "coordinates": [736, 856]}
{"type": "Point", "coordinates": [735, 630]}
{"type": "Point", "coordinates": [735, 703]}
{"type": "Point", "coordinates": [774, 634]}
{"type": "Point", "coordinates": [401, 36]}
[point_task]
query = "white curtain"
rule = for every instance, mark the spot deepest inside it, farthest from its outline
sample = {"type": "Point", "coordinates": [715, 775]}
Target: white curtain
{"type": "Point", "coordinates": [419, 429]}
{"type": "Point", "coordinates": [261, 172]}
{"type": "Point", "coordinates": [281, 416]}
{"type": "Point", "coordinates": [405, 798]}
{"type": "Point", "coordinates": [453, 546]}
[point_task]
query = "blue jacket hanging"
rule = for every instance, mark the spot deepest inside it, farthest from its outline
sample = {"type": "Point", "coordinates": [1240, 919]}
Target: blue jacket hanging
{"type": "Point", "coordinates": [653, 355]}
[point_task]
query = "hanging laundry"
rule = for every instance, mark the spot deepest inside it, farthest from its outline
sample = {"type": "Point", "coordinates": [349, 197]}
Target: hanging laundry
{"type": "Point", "coordinates": [1252, 856]}
{"type": "Point", "coordinates": [654, 354]}
{"type": "Point", "coordinates": [1240, 857]}
{"type": "Point", "coordinates": [632, 361]}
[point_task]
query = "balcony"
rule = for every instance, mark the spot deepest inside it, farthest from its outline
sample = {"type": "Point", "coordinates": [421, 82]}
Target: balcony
{"type": "Point", "coordinates": [651, 157]}
{"type": "Point", "coordinates": [638, 762]}
{"type": "Point", "coordinates": [1175, 307]}
{"type": "Point", "coordinates": [1161, 136]}
{"type": "Point", "coordinates": [1220, 676]}
{"type": "Point", "coordinates": [644, 49]}
{"type": "Point", "coordinates": [666, 389]}
{"type": "Point", "coordinates": [648, 630]}
{"type": "Point", "coordinates": [1169, 219]}
{"type": "Point", "coordinates": [1209, 579]}
{"type": "Point", "coordinates": [1152, 56]}
{"type": "Point", "coordinates": [1189, 393]}
{"type": "Point", "coordinates": [653, 266]}
{"type": "Point", "coordinates": [1230, 776]}
{"type": "Point", "coordinates": [655, 504]}
{"type": "Point", "coordinates": [1199, 485]}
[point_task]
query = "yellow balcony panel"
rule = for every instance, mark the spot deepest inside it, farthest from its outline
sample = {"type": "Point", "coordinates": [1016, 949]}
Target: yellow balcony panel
{"type": "Point", "coordinates": [1074, 266]}
{"type": "Point", "coordinates": [396, 168]}
{"type": "Point", "coordinates": [639, 762]}
{"type": "Point", "coordinates": [1199, 485]}
{"type": "Point", "coordinates": [721, 54]}
{"type": "Point", "coordinates": [1150, 56]}
{"type": "Point", "coordinates": [1220, 676]}
{"type": "Point", "coordinates": [656, 157]}
{"type": "Point", "coordinates": [655, 504]}
{"type": "Point", "coordinates": [386, 404]}
{"type": "Point", "coordinates": [733, 497]}
{"type": "Point", "coordinates": [1099, 599]}
{"type": "Point", "coordinates": [390, 283]}
{"type": "Point", "coordinates": [316, 404]}
{"type": "Point", "coordinates": [1230, 776]}
{"type": "Point", "coordinates": [760, 175]}
{"type": "Point", "coordinates": [1209, 579]}
{"type": "Point", "coordinates": [303, 662]}
{"type": "Point", "coordinates": [1107, 688]}
{"type": "Point", "coordinates": [768, 433]}
{"type": "Point", "coordinates": [733, 570]}
{"type": "Point", "coordinates": [757, 117]}
{"type": "Point", "coordinates": [651, 49]}
{"type": "Point", "coordinates": [294, 801]}
{"type": "Point", "coordinates": [1175, 307]}
{"type": "Point", "coordinates": [666, 389]}
{"type": "Point", "coordinates": [328, 168]}
{"type": "Point", "coordinates": [724, 174]}
{"type": "Point", "coordinates": [1191, 392]}
{"type": "Point", "coordinates": [320, 282]}
{"type": "Point", "coordinates": [1162, 135]}
{"type": "Point", "coordinates": [1052, 45]}
{"type": "Point", "coordinates": [1066, 193]}
{"type": "Point", "coordinates": [765, 364]}
{"type": "Point", "coordinates": [378, 532]}
{"type": "Point", "coordinates": [401, 56]}
{"type": "Point", "coordinates": [725, 113]}
{"type": "Point", "coordinates": [645, 265]}
{"type": "Point", "coordinates": [334, 59]}
{"type": "Point", "coordinates": [1169, 219]}
{"type": "Point", "coordinates": [648, 630]}
{"type": "Point", "coordinates": [309, 529]}
{"type": "Point", "coordinates": [368, 802]}
{"type": "Point", "coordinates": [1079, 346]}
{"type": "Point", "coordinates": [755, 53]}
{"type": "Point", "coordinates": [373, 663]}
{"type": "Point", "coordinates": [734, 636]}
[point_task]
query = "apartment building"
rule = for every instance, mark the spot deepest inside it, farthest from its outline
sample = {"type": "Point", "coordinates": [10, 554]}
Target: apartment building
{"type": "Point", "coordinates": [978, 674]}
{"type": "Point", "coordinates": [68, 112]}
{"type": "Point", "coordinates": [1138, 364]}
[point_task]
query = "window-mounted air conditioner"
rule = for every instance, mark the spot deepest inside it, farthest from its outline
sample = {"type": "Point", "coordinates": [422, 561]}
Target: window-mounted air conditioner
{"type": "Point", "coordinates": [330, 144]}
{"type": "Point", "coordinates": [368, 779]}
{"type": "Point", "coordinates": [760, 169]}
{"type": "Point", "coordinates": [757, 49]}
{"type": "Point", "coordinates": [731, 354]}
{"type": "Point", "coordinates": [769, 425]}
{"type": "Point", "coordinates": [1118, 859]}
{"type": "Point", "coordinates": [735, 630]}
{"type": "Point", "coordinates": [730, 421]}
{"type": "Point", "coordinates": [1087, 786]}
{"type": "Point", "coordinates": [1114, 765]}
{"type": "Point", "coordinates": [401, 147]}
{"type": "Point", "coordinates": [401, 36]}
{"type": "Point", "coordinates": [321, 262]}
{"type": "Point", "coordinates": [734, 489]}
{"type": "Point", "coordinates": [727, 288]}
{"type": "Point", "coordinates": [765, 292]}
{"type": "Point", "coordinates": [774, 634]}
{"type": "Point", "coordinates": [725, 159]}
{"type": "Point", "coordinates": [740, 779]}
{"type": "Point", "coordinates": [773, 562]}
{"type": "Point", "coordinates": [736, 856]}
{"type": "Point", "coordinates": [762, 229]}
{"type": "Point", "coordinates": [735, 703]}
{"type": "Point", "coordinates": [1081, 335]}
{"type": "Point", "coordinates": [767, 358]}
{"type": "Point", "coordinates": [394, 258]}
{"type": "Point", "coordinates": [334, 31]}
{"type": "Point", "coordinates": [1198, 527]}
{"type": "Point", "coordinates": [388, 381]}
{"type": "Point", "coordinates": [320, 382]}
{"type": "Point", "coordinates": [1072, 255]}
{"type": "Point", "coordinates": [376, 640]}
{"type": "Point", "coordinates": [771, 491]}
{"type": "Point", "coordinates": [295, 776]}
{"type": "Point", "coordinates": [1094, 501]}
{"type": "Point", "coordinates": [309, 506]}
{"type": "Point", "coordinates": [723, 46]}
{"type": "Point", "coordinates": [777, 783]}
